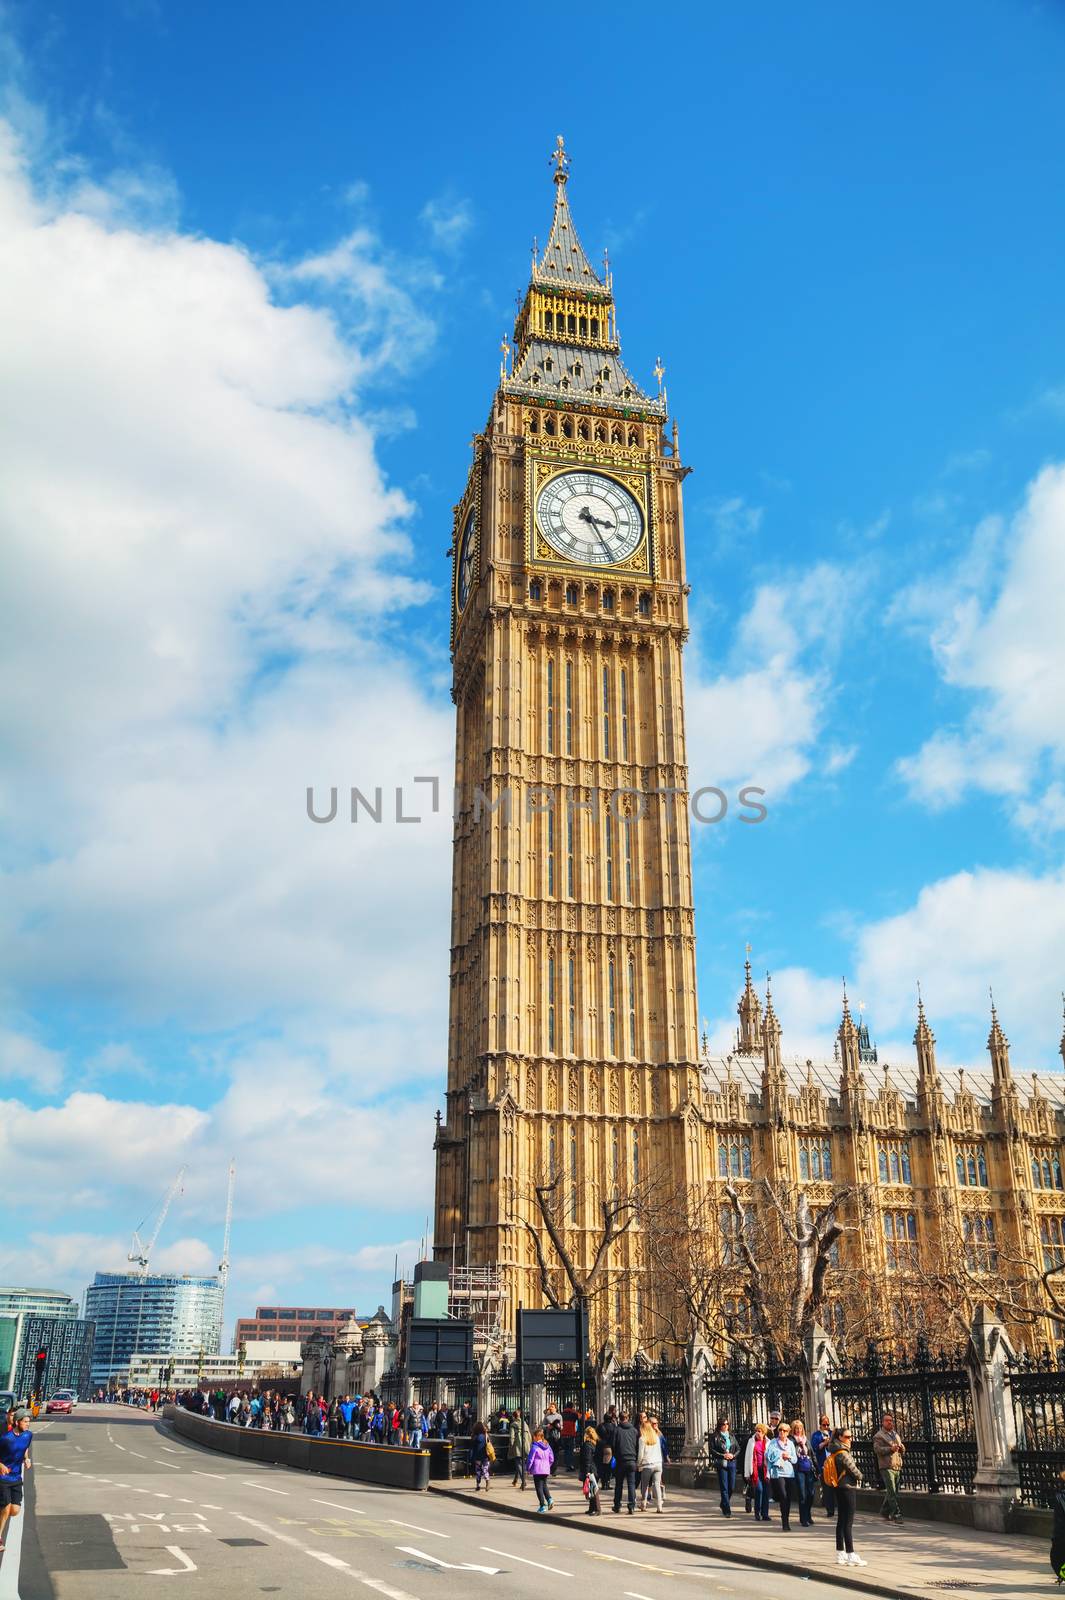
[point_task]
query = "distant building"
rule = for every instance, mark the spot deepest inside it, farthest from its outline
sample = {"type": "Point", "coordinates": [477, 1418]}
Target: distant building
{"type": "Point", "coordinates": [136, 1314]}
{"type": "Point", "coordinates": [68, 1341]}
{"type": "Point", "coordinates": [290, 1322]}
{"type": "Point", "coordinates": [37, 1302]}
{"type": "Point", "coordinates": [263, 1362]}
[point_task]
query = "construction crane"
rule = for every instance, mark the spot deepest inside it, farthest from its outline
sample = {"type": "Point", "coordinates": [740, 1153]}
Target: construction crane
{"type": "Point", "coordinates": [223, 1265]}
{"type": "Point", "coordinates": [139, 1253]}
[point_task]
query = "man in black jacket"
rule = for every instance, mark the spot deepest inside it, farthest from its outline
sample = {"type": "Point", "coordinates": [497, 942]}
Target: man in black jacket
{"type": "Point", "coordinates": [626, 1450]}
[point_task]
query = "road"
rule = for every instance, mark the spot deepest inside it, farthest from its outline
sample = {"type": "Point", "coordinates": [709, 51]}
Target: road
{"type": "Point", "coordinates": [123, 1509]}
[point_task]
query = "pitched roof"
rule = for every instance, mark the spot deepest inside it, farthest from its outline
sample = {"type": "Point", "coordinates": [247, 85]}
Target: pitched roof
{"type": "Point", "coordinates": [747, 1072]}
{"type": "Point", "coordinates": [563, 262]}
{"type": "Point", "coordinates": [547, 368]}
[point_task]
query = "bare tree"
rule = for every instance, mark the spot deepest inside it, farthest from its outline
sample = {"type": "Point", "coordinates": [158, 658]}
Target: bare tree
{"type": "Point", "coordinates": [565, 1280]}
{"type": "Point", "coordinates": [960, 1274]}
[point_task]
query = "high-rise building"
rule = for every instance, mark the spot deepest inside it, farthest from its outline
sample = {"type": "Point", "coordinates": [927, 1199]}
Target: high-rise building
{"type": "Point", "coordinates": [67, 1343]}
{"type": "Point", "coordinates": [135, 1313]}
{"type": "Point", "coordinates": [289, 1322]}
{"type": "Point", "coordinates": [37, 1302]}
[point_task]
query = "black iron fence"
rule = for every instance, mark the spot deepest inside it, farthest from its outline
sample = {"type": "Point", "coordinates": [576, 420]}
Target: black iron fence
{"type": "Point", "coordinates": [930, 1397]}
{"type": "Point", "coordinates": [1037, 1392]}
{"type": "Point", "coordinates": [504, 1387]}
{"type": "Point", "coordinates": [659, 1387]}
{"type": "Point", "coordinates": [562, 1385]}
{"type": "Point", "coordinates": [749, 1388]}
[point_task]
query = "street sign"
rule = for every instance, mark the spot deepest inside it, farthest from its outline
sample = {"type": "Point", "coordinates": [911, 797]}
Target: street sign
{"type": "Point", "coordinates": [551, 1335]}
{"type": "Point", "coordinates": [437, 1346]}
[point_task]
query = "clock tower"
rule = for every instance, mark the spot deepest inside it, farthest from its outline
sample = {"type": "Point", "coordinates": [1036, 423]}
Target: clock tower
{"type": "Point", "coordinates": [573, 1018]}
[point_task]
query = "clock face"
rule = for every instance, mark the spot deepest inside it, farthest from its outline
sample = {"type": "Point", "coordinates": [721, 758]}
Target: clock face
{"type": "Point", "coordinates": [467, 558]}
{"type": "Point", "coordinates": [589, 518]}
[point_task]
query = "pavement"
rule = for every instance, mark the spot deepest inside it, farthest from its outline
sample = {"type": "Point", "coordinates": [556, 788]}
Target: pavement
{"type": "Point", "coordinates": [121, 1509]}
{"type": "Point", "coordinates": [916, 1558]}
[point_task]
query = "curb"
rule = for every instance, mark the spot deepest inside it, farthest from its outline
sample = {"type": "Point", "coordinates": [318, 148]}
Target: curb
{"type": "Point", "coordinates": [843, 1577]}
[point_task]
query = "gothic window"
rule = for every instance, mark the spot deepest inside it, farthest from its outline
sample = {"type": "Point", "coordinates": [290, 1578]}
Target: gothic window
{"type": "Point", "coordinates": [627, 826]}
{"type": "Point", "coordinates": [1046, 1170]}
{"type": "Point", "coordinates": [978, 1232]}
{"type": "Point", "coordinates": [624, 714]}
{"type": "Point", "coordinates": [571, 323]}
{"type": "Point", "coordinates": [582, 430]}
{"type": "Point", "coordinates": [615, 1157]}
{"type": "Point", "coordinates": [571, 600]}
{"type": "Point", "coordinates": [632, 1007]}
{"type": "Point", "coordinates": [576, 369]}
{"type": "Point", "coordinates": [608, 838]}
{"type": "Point", "coordinates": [606, 713]}
{"type": "Point", "coordinates": [573, 1175]}
{"type": "Point", "coordinates": [1052, 1238]}
{"type": "Point", "coordinates": [567, 422]}
{"type": "Point", "coordinates": [550, 708]}
{"type": "Point", "coordinates": [583, 326]}
{"type": "Point", "coordinates": [549, 321]}
{"type": "Point", "coordinates": [734, 1156]}
{"type": "Point", "coordinates": [552, 1154]}
{"type": "Point", "coordinates": [615, 433]}
{"type": "Point", "coordinates": [593, 327]}
{"type": "Point", "coordinates": [900, 1240]}
{"type": "Point", "coordinates": [551, 1006]}
{"type": "Point", "coordinates": [737, 1315]}
{"type": "Point", "coordinates": [571, 998]}
{"type": "Point", "coordinates": [549, 426]}
{"type": "Point", "coordinates": [550, 820]}
{"type": "Point", "coordinates": [634, 436]}
{"type": "Point", "coordinates": [893, 1161]}
{"type": "Point", "coordinates": [536, 590]}
{"type": "Point", "coordinates": [534, 423]}
{"type": "Point", "coordinates": [571, 827]}
{"type": "Point", "coordinates": [600, 431]}
{"type": "Point", "coordinates": [611, 985]}
{"type": "Point", "coordinates": [608, 599]}
{"type": "Point", "coordinates": [636, 1157]}
{"type": "Point", "coordinates": [815, 1160]}
{"type": "Point", "coordinates": [970, 1165]}
{"type": "Point", "coordinates": [549, 365]}
{"type": "Point", "coordinates": [645, 605]}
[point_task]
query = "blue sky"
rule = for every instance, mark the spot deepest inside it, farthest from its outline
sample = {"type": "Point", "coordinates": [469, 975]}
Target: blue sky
{"type": "Point", "coordinates": [257, 261]}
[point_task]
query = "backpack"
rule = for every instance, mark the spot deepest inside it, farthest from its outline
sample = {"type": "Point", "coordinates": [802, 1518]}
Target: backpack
{"type": "Point", "coordinates": [830, 1471]}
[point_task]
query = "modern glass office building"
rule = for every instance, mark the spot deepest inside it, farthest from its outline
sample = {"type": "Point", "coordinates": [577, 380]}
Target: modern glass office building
{"type": "Point", "coordinates": [67, 1342]}
{"type": "Point", "coordinates": [179, 1315]}
{"type": "Point", "coordinates": [36, 1302]}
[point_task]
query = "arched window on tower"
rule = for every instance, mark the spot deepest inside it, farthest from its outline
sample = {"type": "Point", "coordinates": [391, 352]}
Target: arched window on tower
{"type": "Point", "coordinates": [611, 984]}
{"type": "Point", "coordinates": [645, 605]}
{"type": "Point", "coordinates": [551, 1007]}
{"type": "Point", "coordinates": [632, 1007]}
{"type": "Point", "coordinates": [571, 992]}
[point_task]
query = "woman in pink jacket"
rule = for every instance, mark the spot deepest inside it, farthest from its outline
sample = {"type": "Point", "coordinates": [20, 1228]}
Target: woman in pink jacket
{"type": "Point", "coordinates": [541, 1460]}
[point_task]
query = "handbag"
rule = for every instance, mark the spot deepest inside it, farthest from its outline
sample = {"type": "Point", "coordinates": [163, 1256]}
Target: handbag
{"type": "Point", "coordinates": [489, 1450]}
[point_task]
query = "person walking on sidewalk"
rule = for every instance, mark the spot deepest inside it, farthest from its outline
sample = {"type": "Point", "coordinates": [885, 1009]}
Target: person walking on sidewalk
{"type": "Point", "coordinates": [819, 1442]}
{"type": "Point", "coordinates": [804, 1473]}
{"type": "Point", "coordinates": [754, 1471]}
{"type": "Point", "coordinates": [649, 1462]}
{"type": "Point", "coordinates": [540, 1462]}
{"type": "Point", "coordinates": [841, 1471]}
{"type": "Point", "coordinates": [482, 1454]}
{"type": "Point", "coordinates": [1057, 1537]}
{"type": "Point", "coordinates": [626, 1452]}
{"type": "Point", "coordinates": [723, 1455]}
{"type": "Point", "coordinates": [589, 1469]}
{"type": "Point", "coordinates": [889, 1451]}
{"type": "Point", "coordinates": [519, 1442]}
{"type": "Point", "coordinates": [780, 1459]}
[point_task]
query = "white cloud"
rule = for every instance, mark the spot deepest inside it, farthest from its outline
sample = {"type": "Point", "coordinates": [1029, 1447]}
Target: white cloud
{"type": "Point", "coordinates": [202, 568]}
{"type": "Point", "coordinates": [23, 1061]}
{"type": "Point", "coordinates": [762, 719]}
{"type": "Point", "coordinates": [448, 222]}
{"type": "Point", "coordinates": [1003, 645]}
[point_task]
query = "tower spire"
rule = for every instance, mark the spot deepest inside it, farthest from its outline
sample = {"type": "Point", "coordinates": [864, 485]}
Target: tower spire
{"type": "Point", "coordinates": [749, 1042]}
{"type": "Point", "coordinates": [999, 1048]}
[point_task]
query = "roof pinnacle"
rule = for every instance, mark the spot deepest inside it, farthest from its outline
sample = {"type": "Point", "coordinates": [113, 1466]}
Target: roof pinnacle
{"type": "Point", "coordinates": [560, 160]}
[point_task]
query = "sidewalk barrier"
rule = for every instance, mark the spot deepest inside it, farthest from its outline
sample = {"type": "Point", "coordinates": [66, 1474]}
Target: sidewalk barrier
{"type": "Point", "coordinates": [388, 1465]}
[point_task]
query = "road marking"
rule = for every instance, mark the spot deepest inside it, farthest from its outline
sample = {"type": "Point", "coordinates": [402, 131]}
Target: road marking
{"type": "Point", "coordinates": [119, 1446]}
{"type": "Point", "coordinates": [384, 1588]}
{"type": "Point", "coordinates": [487, 1548]}
{"type": "Point", "coordinates": [159, 1494]}
{"type": "Point", "coordinates": [632, 1595]}
{"type": "Point", "coordinates": [452, 1566]}
{"type": "Point", "coordinates": [170, 1448]}
{"type": "Point", "coordinates": [352, 1510]}
{"type": "Point", "coordinates": [172, 1572]}
{"type": "Point", "coordinates": [9, 1568]}
{"type": "Point", "coordinates": [599, 1555]}
{"type": "Point", "coordinates": [138, 1454]}
{"type": "Point", "coordinates": [328, 1560]}
{"type": "Point", "coordinates": [207, 1507]}
{"type": "Point", "coordinates": [221, 1476]}
{"type": "Point", "coordinates": [415, 1526]}
{"type": "Point", "coordinates": [249, 1483]}
{"type": "Point", "coordinates": [171, 1464]}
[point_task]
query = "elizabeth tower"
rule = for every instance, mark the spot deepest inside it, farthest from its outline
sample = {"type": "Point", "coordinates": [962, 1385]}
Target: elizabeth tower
{"type": "Point", "coordinates": [573, 1015]}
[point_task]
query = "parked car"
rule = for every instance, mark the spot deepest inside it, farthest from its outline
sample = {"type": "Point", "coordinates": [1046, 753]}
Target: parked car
{"type": "Point", "coordinates": [62, 1400]}
{"type": "Point", "coordinates": [7, 1399]}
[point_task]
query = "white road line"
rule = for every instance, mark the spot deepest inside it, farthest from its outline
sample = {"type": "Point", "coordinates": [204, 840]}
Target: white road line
{"type": "Point", "coordinates": [159, 1494]}
{"type": "Point", "coordinates": [601, 1555]}
{"type": "Point", "coordinates": [329, 1561]}
{"type": "Point", "coordinates": [139, 1454]}
{"type": "Point", "coordinates": [249, 1483]}
{"type": "Point", "coordinates": [284, 1538]}
{"type": "Point", "coordinates": [509, 1557]}
{"type": "Point", "coordinates": [221, 1476]}
{"type": "Point", "coordinates": [417, 1529]}
{"type": "Point", "coordinates": [119, 1446]}
{"type": "Point", "coordinates": [172, 1572]}
{"type": "Point", "coordinates": [9, 1568]}
{"type": "Point", "coordinates": [171, 1464]}
{"type": "Point", "coordinates": [170, 1448]}
{"type": "Point", "coordinates": [207, 1507]}
{"type": "Point", "coordinates": [632, 1595]}
{"type": "Point", "coordinates": [351, 1510]}
{"type": "Point", "coordinates": [384, 1588]}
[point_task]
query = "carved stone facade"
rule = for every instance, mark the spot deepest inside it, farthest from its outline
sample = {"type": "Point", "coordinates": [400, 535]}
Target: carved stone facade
{"type": "Point", "coordinates": [573, 1035]}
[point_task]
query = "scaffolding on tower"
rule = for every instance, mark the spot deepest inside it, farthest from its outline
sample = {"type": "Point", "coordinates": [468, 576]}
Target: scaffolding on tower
{"type": "Point", "coordinates": [476, 1294]}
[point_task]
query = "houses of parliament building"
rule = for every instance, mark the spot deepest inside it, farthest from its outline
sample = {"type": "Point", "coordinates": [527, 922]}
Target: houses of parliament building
{"type": "Point", "coordinates": [573, 1033]}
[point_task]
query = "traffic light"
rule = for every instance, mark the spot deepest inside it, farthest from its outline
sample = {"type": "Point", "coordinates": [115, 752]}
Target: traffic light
{"type": "Point", "coordinates": [39, 1364]}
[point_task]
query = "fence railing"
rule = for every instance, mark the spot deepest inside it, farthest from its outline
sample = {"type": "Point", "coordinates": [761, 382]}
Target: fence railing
{"type": "Point", "coordinates": [659, 1387]}
{"type": "Point", "coordinates": [1037, 1393]}
{"type": "Point", "coordinates": [929, 1394]}
{"type": "Point", "coordinates": [748, 1389]}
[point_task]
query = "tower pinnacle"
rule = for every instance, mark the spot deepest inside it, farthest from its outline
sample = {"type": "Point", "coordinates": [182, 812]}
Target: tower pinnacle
{"type": "Point", "coordinates": [750, 1013]}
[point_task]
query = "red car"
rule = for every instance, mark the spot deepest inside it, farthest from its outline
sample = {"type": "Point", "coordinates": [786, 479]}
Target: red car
{"type": "Point", "coordinates": [62, 1400]}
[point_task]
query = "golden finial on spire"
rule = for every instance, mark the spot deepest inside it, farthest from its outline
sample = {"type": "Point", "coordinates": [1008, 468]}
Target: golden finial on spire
{"type": "Point", "coordinates": [560, 160]}
{"type": "Point", "coordinates": [659, 371]}
{"type": "Point", "coordinates": [504, 345]}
